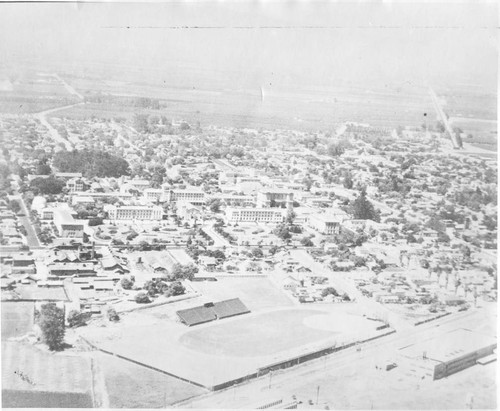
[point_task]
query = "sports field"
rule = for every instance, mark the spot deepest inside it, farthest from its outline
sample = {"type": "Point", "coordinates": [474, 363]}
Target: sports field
{"type": "Point", "coordinates": [225, 350]}
{"type": "Point", "coordinates": [17, 318]}
{"type": "Point", "coordinates": [256, 336]}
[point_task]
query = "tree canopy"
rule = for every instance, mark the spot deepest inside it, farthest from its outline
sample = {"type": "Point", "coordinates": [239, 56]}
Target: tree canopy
{"type": "Point", "coordinates": [51, 323]}
{"type": "Point", "coordinates": [91, 163]}
{"type": "Point", "coordinates": [362, 209]}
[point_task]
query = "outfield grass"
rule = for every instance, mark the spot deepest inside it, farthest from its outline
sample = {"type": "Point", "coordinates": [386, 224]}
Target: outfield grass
{"type": "Point", "coordinates": [132, 386]}
{"type": "Point", "coordinates": [254, 336]}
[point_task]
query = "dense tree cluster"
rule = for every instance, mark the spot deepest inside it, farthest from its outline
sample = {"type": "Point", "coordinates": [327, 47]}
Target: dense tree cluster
{"type": "Point", "coordinates": [362, 209]}
{"type": "Point", "coordinates": [91, 163]}
{"type": "Point", "coordinates": [51, 322]}
{"type": "Point", "coordinates": [49, 185]}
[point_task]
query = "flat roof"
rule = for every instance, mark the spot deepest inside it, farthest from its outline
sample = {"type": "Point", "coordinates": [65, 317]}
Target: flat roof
{"type": "Point", "coordinates": [450, 345]}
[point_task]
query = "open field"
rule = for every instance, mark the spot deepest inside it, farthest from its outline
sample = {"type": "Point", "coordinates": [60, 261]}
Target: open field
{"type": "Point", "coordinates": [132, 386]}
{"type": "Point", "coordinates": [37, 374]}
{"type": "Point", "coordinates": [256, 293]}
{"type": "Point", "coordinates": [17, 318]}
{"type": "Point", "coordinates": [45, 399]}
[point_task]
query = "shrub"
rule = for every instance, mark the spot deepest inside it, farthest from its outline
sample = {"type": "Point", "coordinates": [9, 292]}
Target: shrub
{"type": "Point", "coordinates": [142, 298]}
{"type": "Point", "coordinates": [113, 315]}
{"type": "Point", "coordinates": [77, 318]}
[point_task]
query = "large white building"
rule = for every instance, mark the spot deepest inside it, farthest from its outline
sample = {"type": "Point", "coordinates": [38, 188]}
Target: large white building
{"type": "Point", "coordinates": [275, 197]}
{"type": "Point", "coordinates": [194, 196]}
{"type": "Point", "coordinates": [135, 212]}
{"type": "Point", "coordinates": [259, 215]}
{"type": "Point", "coordinates": [325, 223]}
{"type": "Point", "coordinates": [66, 225]}
{"type": "Point", "coordinates": [153, 194]}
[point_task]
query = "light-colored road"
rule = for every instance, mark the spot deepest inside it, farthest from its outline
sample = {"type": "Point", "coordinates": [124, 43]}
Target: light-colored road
{"type": "Point", "coordinates": [441, 114]}
{"type": "Point", "coordinates": [31, 236]}
{"type": "Point", "coordinates": [219, 241]}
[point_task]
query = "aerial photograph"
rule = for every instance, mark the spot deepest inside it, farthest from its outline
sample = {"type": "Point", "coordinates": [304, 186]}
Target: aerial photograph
{"type": "Point", "coordinates": [249, 204]}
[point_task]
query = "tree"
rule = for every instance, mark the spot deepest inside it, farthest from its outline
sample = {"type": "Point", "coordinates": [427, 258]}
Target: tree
{"type": "Point", "coordinates": [126, 283]}
{"type": "Point", "coordinates": [257, 253]}
{"type": "Point", "coordinates": [77, 318]}
{"type": "Point", "coordinates": [328, 291]}
{"type": "Point", "coordinates": [43, 169]}
{"type": "Point", "coordinates": [184, 272]}
{"type": "Point", "coordinates": [348, 181]}
{"type": "Point", "coordinates": [176, 288]}
{"type": "Point", "coordinates": [282, 232]}
{"type": "Point", "coordinates": [113, 315]}
{"type": "Point", "coordinates": [142, 298]}
{"type": "Point", "coordinates": [306, 242]}
{"type": "Point", "coordinates": [49, 185]}
{"type": "Point", "coordinates": [15, 206]}
{"type": "Point", "coordinates": [51, 323]}
{"type": "Point", "coordinates": [362, 209]}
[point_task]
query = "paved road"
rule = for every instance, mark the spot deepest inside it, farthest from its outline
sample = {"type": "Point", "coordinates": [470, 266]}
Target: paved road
{"type": "Point", "coordinates": [54, 134]}
{"type": "Point", "coordinates": [25, 221]}
{"type": "Point", "coordinates": [219, 241]}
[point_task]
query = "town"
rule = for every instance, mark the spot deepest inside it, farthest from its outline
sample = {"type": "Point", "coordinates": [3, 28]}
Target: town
{"type": "Point", "coordinates": [249, 205]}
{"type": "Point", "coordinates": [146, 221]}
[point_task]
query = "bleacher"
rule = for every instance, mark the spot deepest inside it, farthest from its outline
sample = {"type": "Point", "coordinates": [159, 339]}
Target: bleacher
{"type": "Point", "coordinates": [196, 315]}
{"type": "Point", "coordinates": [212, 311]}
{"type": "Point", "coordinates": [230, 308]}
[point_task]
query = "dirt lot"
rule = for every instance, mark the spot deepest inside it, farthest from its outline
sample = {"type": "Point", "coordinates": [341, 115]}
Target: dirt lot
{"type": "Point", "coordinates": [17, 318]}
{"type": "Point", "coordinates": [132, 386]}
{"type": "Point", "coordinates": [256, 293]}
{"type": "Point", "coordinates": [31, 376]}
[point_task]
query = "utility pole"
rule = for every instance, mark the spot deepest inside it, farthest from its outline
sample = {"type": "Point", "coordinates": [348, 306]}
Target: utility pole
{"type": "Point", "coordinates": [317, 395]}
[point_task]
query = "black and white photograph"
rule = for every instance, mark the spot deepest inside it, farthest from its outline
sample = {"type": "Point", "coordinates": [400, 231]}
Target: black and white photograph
{"type": "Point", "coordinates": [249, 204]}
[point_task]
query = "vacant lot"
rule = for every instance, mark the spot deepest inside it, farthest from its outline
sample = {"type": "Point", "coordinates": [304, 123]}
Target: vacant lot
{"type": "Point", "coordinates": [30, 376]}
{"type": "Point", "coordinates": [17, 318]}
{"type": "Point", "coordinates": [132, 386]}
{"type": "Point", "coordinates": [256, 293]}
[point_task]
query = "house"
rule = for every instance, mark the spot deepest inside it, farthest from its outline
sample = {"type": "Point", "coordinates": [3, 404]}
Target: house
{"type": "Point", "coordinates": [206, 261]}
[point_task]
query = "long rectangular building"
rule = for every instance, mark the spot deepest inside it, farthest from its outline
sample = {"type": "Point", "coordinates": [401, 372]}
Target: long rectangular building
{"type": "Point", "coordinates": [258, 215]}
{"type": "Point", "coordinates": [135, 212]}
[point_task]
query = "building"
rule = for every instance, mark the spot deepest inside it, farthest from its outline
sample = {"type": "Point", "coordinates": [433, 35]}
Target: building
{"type": "Point", "coordinates": [258, 215]}
{"type": "Point", "coordinates": [153, 194]}
{"type": "Point", "coordinates": [233, 199]}
{"type": "Point", "coordinates": [135, 212]}
{"type": "Point", "coordinates": [66, 225]}
{"type": "Point", "coordinates": [324, 223]}
{"type": "Point", "coordinates": [453, 352]}
{"type": "Point", "coordinates": [75, 184]}
{"type": "Point", "coordinates": [275, 198]}
{"type": "Point", "coordinates": [82, 200]}
{"type": "Point", "coordinates": [194, 196]}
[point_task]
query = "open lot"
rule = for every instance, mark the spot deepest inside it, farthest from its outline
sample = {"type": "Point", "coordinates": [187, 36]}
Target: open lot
{"type": "Point", "coordinates": [256, 293]}
{"type": "Point", "coordinates": [30, 376]}
{"type": "Point", "coordinates": [131, 386]}
{"type": "Point", "coordinates": [17, 318]}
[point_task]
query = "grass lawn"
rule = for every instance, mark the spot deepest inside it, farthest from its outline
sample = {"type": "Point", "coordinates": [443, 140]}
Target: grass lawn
{"type": "Point", "coordinates": [132, 386]}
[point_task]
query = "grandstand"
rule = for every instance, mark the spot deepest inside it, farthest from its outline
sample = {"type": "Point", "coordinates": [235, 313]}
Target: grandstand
{"type": "Point", "coordinates": [230, 308]}
{"type": "Point", "coordinates": [212, 311]}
